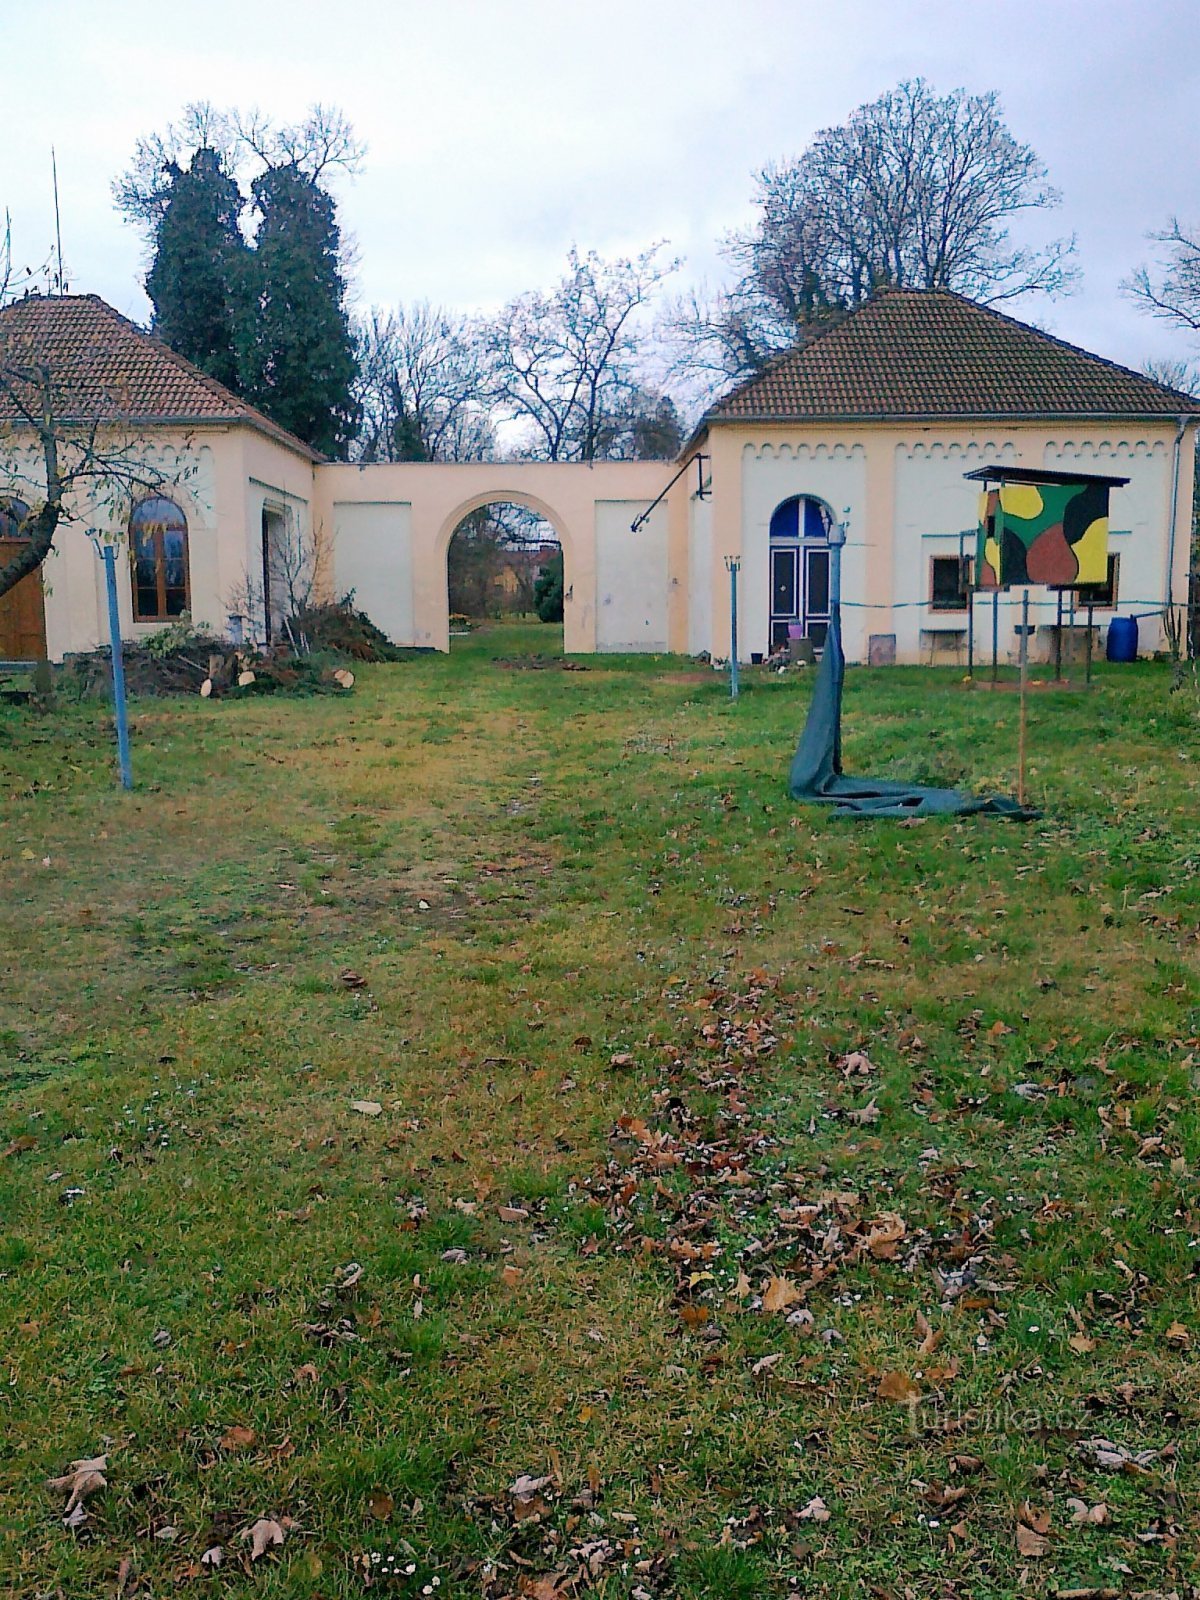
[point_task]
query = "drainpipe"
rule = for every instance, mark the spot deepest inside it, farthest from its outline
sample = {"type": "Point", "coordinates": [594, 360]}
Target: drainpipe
{"type": "Point", "coordinates": [1169, 596]}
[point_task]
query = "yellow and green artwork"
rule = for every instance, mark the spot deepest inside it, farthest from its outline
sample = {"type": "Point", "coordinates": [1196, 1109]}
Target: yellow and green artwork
{"type": "Point", "coordinates": [1051, 530]}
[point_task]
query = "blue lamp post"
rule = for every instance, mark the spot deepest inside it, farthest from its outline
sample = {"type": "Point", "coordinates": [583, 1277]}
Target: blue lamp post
{"type": "Point", "coordinates": [733, 563]}
{"type": "Point", "coordinates": [108, 554]}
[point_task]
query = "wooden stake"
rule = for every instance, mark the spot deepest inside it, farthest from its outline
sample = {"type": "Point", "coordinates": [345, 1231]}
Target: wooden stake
{"type": "Point", "coordinates": [1024, 683]}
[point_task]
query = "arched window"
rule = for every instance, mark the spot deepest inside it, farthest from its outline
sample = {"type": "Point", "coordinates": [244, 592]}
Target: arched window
{"type": "Point", "coordinates": [158, 543]}
{"type": "Point", "coordinates": [801, 517]}
{"type": "Point", "coordinates": [13, 515]}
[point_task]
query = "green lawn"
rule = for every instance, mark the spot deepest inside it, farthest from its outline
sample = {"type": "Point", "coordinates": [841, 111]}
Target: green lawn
{"type": "Point", "coordinates": [800, 1199]}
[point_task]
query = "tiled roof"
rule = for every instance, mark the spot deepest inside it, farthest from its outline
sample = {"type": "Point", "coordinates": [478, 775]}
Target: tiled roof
{"type": "Point", "coordinates": [927, 353]}
{"type": "Point", "coordinates": [104, 367]}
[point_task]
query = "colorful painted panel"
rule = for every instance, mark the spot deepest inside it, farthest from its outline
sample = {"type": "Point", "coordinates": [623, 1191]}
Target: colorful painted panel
{"type": "Point", "coordinates": [1043, 533]}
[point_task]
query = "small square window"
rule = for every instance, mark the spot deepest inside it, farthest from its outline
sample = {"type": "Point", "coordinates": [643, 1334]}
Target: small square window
{"type": "Point", "coordinates": [949, 584]}
{"type": "Point", "coordinates": [1101, 595]}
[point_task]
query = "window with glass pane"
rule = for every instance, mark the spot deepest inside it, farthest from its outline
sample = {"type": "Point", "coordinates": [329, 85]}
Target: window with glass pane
{"type": "Point", "coordinates": [13, 516]}
{"type": "Point", "coordinates": [158, 541]}
{"type": "Point", "coordinates": [949, 583]}
{"type": "Point", "coordinates": [1102, 595]}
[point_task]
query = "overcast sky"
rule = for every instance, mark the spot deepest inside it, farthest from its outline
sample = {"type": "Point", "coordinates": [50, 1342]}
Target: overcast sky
{"type": "Point", "coordinates": [501, 131]}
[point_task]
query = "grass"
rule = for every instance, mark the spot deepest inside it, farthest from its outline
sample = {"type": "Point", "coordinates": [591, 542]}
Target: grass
{"type": "Point", "coordinates": [610, 990]}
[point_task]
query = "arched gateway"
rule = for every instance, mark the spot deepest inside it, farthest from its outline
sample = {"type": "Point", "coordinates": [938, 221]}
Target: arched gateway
{"type": "Point", "coordinates": [390, 527]}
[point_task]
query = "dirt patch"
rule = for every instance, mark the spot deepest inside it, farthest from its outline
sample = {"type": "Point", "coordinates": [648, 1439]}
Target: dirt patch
{"type": "Point", "coordinates": [539, 664]}
{"type": "Point", "coordinates": [1066, 685]}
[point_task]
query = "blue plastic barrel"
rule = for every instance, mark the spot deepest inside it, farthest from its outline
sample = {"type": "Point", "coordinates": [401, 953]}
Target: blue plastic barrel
{"type": "Point", "coordinates": [1122, 639]}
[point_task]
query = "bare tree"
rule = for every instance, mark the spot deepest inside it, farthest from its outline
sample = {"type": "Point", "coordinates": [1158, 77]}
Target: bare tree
{"type": "Point", "coordinates": [143, 191]}
{"type": "Point", "coordinates": [422, 387]}
{"type": "Point", "coordinates": [1175, 373]}
{"type": "Point", "coordinates": [67, 452]}
{"type": "Point", "coordinates": [245, 143]}
{"type": "Point", "coordinates": [916, 190]}
{"type": "Point", "coordinates": [1172, 290]}
{"type": "Point", "coordinates": [324, 141]}
{"type": "Point", "coordinates": [565, 363]}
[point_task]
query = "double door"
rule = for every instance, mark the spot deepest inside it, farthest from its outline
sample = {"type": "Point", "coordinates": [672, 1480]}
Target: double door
{"type": "Point", "coordinates": [799, 592]}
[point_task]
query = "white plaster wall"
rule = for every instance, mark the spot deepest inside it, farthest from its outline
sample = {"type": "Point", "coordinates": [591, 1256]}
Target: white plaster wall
{"type": "Point", "coordinates": [631, 577]}
{"type": "Point", "coordinates": [933, 504]}
{"type": "Point", "coordinates": [773, 473]}
{"type": "Point", "coordinates": [72, 575]}
{"type": "Point", "coordinates": [1138, 516]}
{"type": "Point", "coordinates": [700, 569]}
{"type": "Point", "coordinates": [373, 555]}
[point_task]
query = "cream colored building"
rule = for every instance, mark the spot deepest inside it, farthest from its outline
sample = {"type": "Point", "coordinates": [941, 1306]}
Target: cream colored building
{"type": "Point", "coordinates": [873, 424]}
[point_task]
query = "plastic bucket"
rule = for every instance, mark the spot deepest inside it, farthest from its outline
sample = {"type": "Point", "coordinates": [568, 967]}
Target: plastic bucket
{"type": "Point", "coordinates": [795, 630]}
{"type": "Point", "coordinates": [1122, 642]}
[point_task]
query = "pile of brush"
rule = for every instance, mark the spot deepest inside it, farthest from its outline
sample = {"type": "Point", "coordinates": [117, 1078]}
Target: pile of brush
{"type": "Point", "coordinates": [201, 664]}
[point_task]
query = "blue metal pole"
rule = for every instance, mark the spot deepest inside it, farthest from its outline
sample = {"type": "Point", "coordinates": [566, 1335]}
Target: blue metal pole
{"type": "Point", "coordinates": [118, 665]}
{"type": "Point", "coordinates": [733, 638]}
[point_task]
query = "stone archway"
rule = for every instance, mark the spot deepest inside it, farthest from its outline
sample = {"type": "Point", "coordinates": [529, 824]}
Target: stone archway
{"type": "Point", "coordinates": [390, 526]}
{"type": "Point", "coordinates": [453, 527]}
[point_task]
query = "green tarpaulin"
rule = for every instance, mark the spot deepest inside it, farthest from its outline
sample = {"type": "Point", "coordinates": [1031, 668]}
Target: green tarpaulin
{"type": "Point", "coordinates": [817, 774]}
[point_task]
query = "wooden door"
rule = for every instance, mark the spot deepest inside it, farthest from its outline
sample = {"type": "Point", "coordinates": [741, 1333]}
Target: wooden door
{"type": "Point", "coordinates": [22, 612]}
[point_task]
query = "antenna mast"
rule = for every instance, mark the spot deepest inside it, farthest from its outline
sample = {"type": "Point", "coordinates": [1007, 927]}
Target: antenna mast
{"type": "Point", "coordinates": [57, 222]}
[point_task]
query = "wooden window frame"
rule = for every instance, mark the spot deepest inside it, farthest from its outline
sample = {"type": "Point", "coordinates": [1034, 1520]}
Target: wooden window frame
{"type": "Point", "coordinates": [940, 607]}
{"type": "Point", "coordinates": [162, 615]}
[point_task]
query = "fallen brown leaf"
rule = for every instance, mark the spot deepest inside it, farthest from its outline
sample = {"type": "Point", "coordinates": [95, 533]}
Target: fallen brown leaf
{"type": "Point", "coordinates": [82, 1479]}
{"type": "Point", "coordinates": [548, 1588]}
{"type": "Point", "coordinates": [857, 1064]}
{"type": "Point", "coordinates": [865, 1115]}
{"type": "Point", "coordinates": [815, 1511]}
{"type": "Point", "coordinates": [262, 1535]}
{"type": "Point", "coordinates": [381, 1503]}
{"type": "Point", "coordinates": [1081, 1512]}
{"type": "Point", "coordinates": [238, 1438]}
{"type": "Point", "coordinates": [1030, 1544]}
{"type": "Point", "coordinates": [780, 1293]}
{"type": "Point", "coordinates": [886, 1232]}
{"type": "Point", "coordinates": [928, 1337]}
{"type": "Point", "coordinates": [1035, 1517]}
{"type": "Point", "coordinates": [899, 1388]}
{"type": "Point", "coordinates": [765, 1363]}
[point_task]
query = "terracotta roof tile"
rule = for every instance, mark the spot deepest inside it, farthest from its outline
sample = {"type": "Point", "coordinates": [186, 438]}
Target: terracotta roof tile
{"type": "Point", "coordinates": [102, 366]}
{"type": "Point", "coordinates": [927, 353]}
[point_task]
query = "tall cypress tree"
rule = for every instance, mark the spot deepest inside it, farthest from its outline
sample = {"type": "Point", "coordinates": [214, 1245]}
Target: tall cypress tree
{"type": "Point", "coordinates": [195, 281]}
{"type": "Point", "coordinates": [296, 351]}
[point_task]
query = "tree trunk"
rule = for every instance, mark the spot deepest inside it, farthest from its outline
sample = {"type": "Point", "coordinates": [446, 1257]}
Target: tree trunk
{"type": "Point", "coordinates": [39, 536]}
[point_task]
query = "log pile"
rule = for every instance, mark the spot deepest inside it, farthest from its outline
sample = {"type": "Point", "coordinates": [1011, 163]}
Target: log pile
{"type": "Point", "coordinates": [209, 668]}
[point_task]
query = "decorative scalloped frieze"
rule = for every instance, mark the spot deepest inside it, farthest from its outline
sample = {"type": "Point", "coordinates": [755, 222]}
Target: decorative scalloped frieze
{"type": "Point", "coordinates": [1105, 449]}
{"type": "Point", "coordinates": [955, 450]}
{"type": "Point", "coordinates": [767, 451]}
